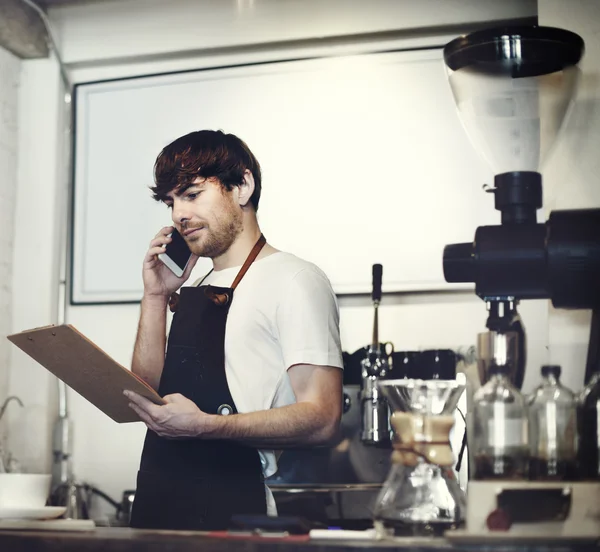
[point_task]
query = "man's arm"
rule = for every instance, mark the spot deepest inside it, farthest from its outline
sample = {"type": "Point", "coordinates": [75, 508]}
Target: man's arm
{"type": "Point", "coordinates": [159, 283]}
{"type": "Point", "coordinates": [314, 419]}
{"type": "Point", "coordinates": [149, 351]}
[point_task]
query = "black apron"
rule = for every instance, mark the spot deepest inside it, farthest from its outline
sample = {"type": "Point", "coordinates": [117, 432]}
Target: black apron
{"type": "Point", "coordinates": [198, 484]}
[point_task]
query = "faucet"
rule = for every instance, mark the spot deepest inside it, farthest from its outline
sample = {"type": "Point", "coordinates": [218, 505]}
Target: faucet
{"type": "Point", "coordinates": [3, 462]}
{"type": "Point", "coordinates": [8, 399]}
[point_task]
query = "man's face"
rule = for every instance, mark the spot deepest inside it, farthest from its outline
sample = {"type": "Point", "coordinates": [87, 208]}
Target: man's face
{"type": "Point", "coordinates": [207, 216]}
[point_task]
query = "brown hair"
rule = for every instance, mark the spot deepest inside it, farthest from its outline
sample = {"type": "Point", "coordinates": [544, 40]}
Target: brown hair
{"type": "Point", "coordinates": [205, 154]}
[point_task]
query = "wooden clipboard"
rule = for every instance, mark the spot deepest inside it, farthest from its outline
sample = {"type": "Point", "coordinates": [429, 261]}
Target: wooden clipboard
{"type": "Point", "coordinates": [85, 368]}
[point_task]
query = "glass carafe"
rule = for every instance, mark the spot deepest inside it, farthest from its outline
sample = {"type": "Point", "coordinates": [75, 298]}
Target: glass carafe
{"type": "Point", "coordinates": [421, 495]}
{"type": "Point", "coordinates": [499, 426]}
{"type": "Point", "coordinates": [552, 428]}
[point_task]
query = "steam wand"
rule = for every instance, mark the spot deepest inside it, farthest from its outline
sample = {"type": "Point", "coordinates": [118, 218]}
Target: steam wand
{"type": "Point", "coordinates": [375, 416]}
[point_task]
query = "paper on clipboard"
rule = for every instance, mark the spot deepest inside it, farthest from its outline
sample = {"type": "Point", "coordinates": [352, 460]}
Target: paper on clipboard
{"type": "Point", "coordinates": [86, 368]}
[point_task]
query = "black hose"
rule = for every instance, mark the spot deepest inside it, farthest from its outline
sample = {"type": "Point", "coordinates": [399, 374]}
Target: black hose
{"type": "Point", "coordinates": [462, 450]}
{"type": "Point", "coordinates": [103, 495]}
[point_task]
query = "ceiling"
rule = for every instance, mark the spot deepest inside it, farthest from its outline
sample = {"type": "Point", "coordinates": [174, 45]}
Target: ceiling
{"type": "Point", "coordinates": [52, 3]}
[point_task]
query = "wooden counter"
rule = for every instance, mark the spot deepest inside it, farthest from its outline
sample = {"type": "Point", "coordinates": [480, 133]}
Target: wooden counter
{"type": "Point", "coordinates": [117, 539]}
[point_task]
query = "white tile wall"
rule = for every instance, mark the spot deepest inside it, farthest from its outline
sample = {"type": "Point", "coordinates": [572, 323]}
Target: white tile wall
{"type": "Point", "coordinates": [9, 86]}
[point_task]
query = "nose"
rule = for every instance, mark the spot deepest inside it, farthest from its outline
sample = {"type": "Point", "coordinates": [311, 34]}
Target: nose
{"type": "Point", "coordinates": [180, 212]}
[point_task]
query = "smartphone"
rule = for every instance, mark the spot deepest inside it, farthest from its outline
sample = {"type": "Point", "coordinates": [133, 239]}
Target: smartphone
{"type": "Point", "coordinates": [177, 254]}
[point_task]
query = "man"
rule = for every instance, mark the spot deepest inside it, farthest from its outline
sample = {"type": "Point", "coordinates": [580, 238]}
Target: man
{"type": "Point", "coordinates": [257, 339]}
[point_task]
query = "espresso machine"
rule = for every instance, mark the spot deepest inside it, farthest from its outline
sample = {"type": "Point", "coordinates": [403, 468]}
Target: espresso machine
{"type": "Point", "coordinates": [513, 87]}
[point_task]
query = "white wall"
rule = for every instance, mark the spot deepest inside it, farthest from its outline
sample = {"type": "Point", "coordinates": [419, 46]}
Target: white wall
{"type": "Point", "coordinates": [571, 178]}
{"type": "Point", "coordinates": [10, 67]}
{"type": "Point", "coordinates": [39, 212]}
{"type": "Point", "coordinates": [107, 40]}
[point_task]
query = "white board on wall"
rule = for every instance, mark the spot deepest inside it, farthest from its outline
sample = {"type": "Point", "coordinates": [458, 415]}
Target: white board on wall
{"type": "Point", "coordinates": [364, 161]}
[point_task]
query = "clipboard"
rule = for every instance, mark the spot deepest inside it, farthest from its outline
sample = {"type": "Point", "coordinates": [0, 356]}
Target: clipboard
{"type": "Point", "coordinates": [85, 368]}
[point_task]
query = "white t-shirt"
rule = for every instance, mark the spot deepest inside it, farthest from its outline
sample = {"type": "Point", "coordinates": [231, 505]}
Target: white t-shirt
{"type": "Point", "coordinates": [284, 312]}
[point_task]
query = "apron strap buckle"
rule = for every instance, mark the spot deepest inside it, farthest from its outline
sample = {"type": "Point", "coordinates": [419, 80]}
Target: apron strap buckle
{"type": "Point", "coordinates": [220, 299]}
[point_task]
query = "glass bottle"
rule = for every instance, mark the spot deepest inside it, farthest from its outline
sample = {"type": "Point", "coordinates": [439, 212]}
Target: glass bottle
{"type": "Point", "coordinates": [499, 429]}
{"type": "Point", "coordinates": [588, 453]}
{"type": "Point", "coordinates": [552, 429]}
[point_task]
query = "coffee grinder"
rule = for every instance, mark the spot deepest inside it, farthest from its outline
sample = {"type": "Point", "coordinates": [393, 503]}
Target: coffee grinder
{"type": "Point", "coordinates": [513, 87]}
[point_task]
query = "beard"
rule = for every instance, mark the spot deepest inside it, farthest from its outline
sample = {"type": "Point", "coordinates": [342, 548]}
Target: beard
{"type": "Point", "coordinates": [215, 239]}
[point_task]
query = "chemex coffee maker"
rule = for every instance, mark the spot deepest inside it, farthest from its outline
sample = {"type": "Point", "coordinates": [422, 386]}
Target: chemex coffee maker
{"type": "Point", "coordinates": [513, 87]}
{"type": "Point", "coordinates": [411, 411]}
{"type": "Point", "coordinates": [421, 495]}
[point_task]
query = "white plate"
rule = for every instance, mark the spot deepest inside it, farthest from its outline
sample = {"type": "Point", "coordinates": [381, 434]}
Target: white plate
{"type": "Point", "coordinates": [46, 512]}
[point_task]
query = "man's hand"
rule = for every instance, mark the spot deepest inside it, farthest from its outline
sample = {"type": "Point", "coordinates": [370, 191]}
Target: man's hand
{"type": "Point", "coordinates": [179, 418]}
{"type": "Point", "coordinates": [158, 279]}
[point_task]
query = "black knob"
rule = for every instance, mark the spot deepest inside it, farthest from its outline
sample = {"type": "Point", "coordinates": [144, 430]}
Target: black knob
{"type": "Point", "coordinates": [459, 263]}
{"type": "Point", "coordinates": [347, 402]}
{"type": "Point", "coordinates": [377, 273]}
{"type": "Point", "coordinates": [553, 369]}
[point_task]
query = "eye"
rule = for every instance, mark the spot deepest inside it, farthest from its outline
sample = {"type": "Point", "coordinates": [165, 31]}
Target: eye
{"type": "Point", "coordinates": [192, 195]}
{"type": "Point", "coordinates": [168, 205]}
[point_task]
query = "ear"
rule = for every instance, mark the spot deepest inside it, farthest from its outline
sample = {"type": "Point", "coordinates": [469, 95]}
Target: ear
{"type": "Point", "coordinates": [246, 189]}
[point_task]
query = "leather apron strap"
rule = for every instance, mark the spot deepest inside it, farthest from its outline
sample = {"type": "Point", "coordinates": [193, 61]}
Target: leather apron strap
{"type": "Point", "coordinates": [251, 257]}
{"type": "Point", "coordinates": [220, 299]}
